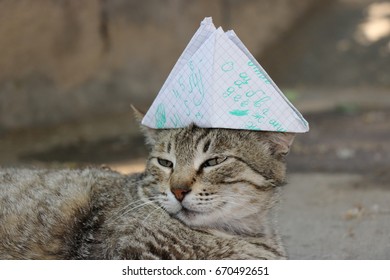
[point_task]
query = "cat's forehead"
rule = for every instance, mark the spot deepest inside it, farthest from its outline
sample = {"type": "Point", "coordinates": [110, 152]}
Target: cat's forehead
{"type": "Point", "coordinates": [190, 139]}
{"type": "Point", "coordinates": [186, 139]}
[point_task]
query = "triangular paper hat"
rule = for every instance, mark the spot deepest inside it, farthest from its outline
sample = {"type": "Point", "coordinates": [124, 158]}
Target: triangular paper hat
{"type": "Point", "coordinates": [217, 83]}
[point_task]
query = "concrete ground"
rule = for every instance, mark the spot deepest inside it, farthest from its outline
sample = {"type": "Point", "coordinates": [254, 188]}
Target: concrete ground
{"type": "Point", "coordinates": [337, 202]}
{"type": "Point", "coordinates": [335, 216]}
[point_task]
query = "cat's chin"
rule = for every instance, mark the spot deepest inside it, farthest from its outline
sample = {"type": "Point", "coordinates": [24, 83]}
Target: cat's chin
{"type": "Point", "coordinates": [185, 214]}
{"type": "Point", "coordinates": [194, 218]}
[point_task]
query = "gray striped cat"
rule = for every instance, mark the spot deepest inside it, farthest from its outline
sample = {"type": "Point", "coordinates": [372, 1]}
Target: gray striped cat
{"type": "Point", "coordinates": [205, 194]}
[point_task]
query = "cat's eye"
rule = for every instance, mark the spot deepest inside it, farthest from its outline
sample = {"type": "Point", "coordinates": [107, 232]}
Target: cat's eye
{"type": "Point", "coordinates": [165, 162]}
{"type": "Point", "coordinates": [213, 161]}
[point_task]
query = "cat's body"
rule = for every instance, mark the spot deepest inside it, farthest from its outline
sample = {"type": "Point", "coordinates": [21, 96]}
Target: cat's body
{"type": "Point", "coordinates": [205, 194]}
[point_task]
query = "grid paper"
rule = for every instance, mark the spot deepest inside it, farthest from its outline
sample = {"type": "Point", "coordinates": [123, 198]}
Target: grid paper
{"type": "Point", "coordinates": [217, 83]}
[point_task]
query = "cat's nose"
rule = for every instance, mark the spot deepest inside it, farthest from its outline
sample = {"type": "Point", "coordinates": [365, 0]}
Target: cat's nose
{"type": "Point", "coordinates": [180, 193]}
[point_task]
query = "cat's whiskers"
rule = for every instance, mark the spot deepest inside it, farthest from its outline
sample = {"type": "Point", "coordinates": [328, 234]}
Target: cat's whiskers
{"type": "Point", "coordinates": [234, 197]}
{"type": "Point", "coordinates": [130, 204]}
{"type": "Point", "coordinates": [239, 201]}
{"type": "Point", "coordinates": [149, 215]}
{"type": "Point", "coordinates": [242, 201]}
{"type": "Point", "coordinates": [120, 213]}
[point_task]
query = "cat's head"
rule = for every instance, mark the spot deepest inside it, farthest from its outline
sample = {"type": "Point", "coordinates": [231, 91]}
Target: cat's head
{"type": "Point", "coordinates": [214, 178]}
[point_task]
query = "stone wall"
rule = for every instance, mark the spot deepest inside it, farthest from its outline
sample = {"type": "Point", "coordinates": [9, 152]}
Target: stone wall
{"type": "Point", "coordinates": [66, 60]}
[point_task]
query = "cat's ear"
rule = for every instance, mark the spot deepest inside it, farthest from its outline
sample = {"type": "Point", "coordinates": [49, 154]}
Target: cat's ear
{"type": "Point", "coordinates": [149, 133]}
{"type": "Point", "coordinates": [280, 143]}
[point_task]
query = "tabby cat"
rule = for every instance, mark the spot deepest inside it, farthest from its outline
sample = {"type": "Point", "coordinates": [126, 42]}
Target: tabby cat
{"type": "Point", "coordinates": [205, 194]}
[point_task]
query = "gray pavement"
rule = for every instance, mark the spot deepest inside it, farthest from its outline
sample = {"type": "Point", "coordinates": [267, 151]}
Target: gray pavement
{"type": "Point", "coordinates": [335, 216]}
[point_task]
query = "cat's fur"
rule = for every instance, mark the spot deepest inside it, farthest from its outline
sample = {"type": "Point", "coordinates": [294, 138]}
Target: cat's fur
{"type": "Point", "coordinates": [225, 212]}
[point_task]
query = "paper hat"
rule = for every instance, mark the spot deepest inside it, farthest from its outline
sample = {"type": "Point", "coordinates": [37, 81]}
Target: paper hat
{"type": "Point", "coordinates": [217, 83]}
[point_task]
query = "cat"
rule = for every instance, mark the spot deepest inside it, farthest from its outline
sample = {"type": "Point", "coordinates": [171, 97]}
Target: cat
{"type": "Point", "coordinates": [206, 193]}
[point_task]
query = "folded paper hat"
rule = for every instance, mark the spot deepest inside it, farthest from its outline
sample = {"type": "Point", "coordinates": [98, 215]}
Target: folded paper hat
{"type": "Point", "coordinates": [217, 83]}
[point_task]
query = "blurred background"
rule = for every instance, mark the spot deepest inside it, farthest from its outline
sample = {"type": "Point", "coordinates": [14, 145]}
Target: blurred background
{"type": "Point", "coordinates": [70, 69]}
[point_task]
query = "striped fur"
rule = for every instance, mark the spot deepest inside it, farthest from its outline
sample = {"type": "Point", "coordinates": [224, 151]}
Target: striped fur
{"type": "Point", "coordinates": [213, 202]}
